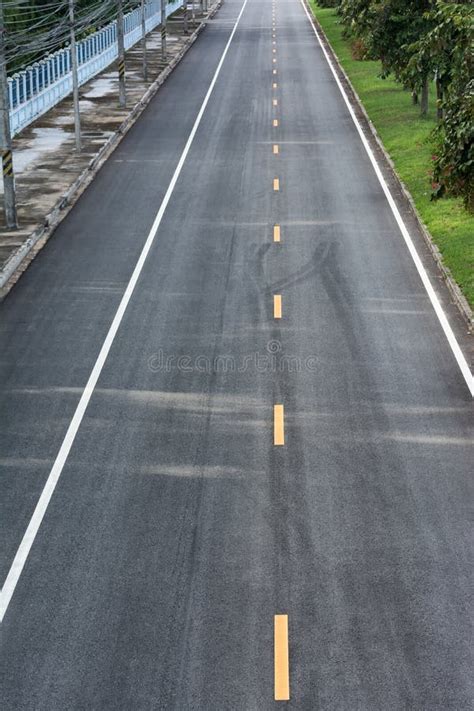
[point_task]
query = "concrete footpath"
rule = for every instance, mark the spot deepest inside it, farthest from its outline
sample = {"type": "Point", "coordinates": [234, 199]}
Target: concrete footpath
{"type": "Point", "coordinates": [50, 174]}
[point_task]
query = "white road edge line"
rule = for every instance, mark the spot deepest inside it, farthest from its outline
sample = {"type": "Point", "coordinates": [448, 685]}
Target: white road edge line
{"type": "Point", "coordinates": [458, 354]}
{"type": "Point", "coordinates": [40, 510]}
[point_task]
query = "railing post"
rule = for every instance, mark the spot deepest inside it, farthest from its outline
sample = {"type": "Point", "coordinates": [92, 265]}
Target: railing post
{"type": "Point", "coordinates": [23, 82]}
{"type": "Point", "coordinates": [10, 93]}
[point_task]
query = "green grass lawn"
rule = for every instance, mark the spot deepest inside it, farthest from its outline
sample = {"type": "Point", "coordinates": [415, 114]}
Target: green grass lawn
{"type": "Point", "coordinates": [406, 137]}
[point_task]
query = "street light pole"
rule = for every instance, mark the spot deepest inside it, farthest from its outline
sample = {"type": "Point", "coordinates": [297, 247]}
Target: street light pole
{"type": "Point", "coordinates": [163, 30]}
{"type": "Point", "coordinates": [145, 67]}
{"type": "Point", "coordinates": [121, 55]}
{"type": "Point", "coordinates": [185, 17]}
{"type": "Point", "coordinates": [5, 135]}
{"type": "Point", "coordinates": [75, 78]}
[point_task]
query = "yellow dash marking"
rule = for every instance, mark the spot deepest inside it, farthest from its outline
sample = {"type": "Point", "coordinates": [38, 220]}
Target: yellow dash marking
{"type": "Point", "coordinates": [276, 233]}
{"type": "Point", "coordinates": [275, 102]}
{"type": "Point", "coordinates": [275, 123]}
{"type": "Point", "coordinates": [282, 662]}
{"type": "Point", "coordinates": [277, 305]}
{"type": "Point", "coordinates": [278, 425]}
{"type": "Point", "coordinates": [276, 184]}
{"type": "Point", "coordinates": [276, 149]}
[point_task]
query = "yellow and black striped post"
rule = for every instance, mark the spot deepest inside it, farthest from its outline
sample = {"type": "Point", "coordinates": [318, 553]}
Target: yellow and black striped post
{"type": "Point", "coordinates": [121, 68]}
{"type": "Point", "coordinates": [7, 164]}
{"type": "Point", "coordinates": [9, 189]}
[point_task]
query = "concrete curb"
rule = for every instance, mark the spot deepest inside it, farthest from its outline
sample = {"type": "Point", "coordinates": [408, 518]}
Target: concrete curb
{"type": "Point", "coordinates": [21, 258]}
{"type": "Point", "coordinates": [454, 290]}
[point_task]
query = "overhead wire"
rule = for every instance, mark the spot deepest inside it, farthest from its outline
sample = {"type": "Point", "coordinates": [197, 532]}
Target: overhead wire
{"type": "Point", "coordinates": [52, 31]}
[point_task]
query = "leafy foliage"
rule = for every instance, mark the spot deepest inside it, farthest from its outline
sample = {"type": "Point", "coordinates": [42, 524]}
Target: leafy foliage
{"type": "Point", "coordinates": [418, 41]}
{"type": "Point", "coordinates": [329, 3]}
{"type": "Point", "coordinates": [447, 51]}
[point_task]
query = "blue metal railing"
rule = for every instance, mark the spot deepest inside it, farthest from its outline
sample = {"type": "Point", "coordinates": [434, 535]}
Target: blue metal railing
{"type": "Point", "coordinates": [42, 85]}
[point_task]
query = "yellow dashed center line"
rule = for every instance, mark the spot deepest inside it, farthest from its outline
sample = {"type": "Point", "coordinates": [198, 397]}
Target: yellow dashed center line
{"type": "Point", "coordinates": [281, 647]}
{"type": "Point", "coordinates": [282, 661]}
{"type": "Point", "coordinates": [277, 305]}
{"type": "Point", "coordinates": [278, 425]}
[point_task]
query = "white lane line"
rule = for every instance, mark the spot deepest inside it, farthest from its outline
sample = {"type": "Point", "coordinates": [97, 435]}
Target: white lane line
{"type": "Point", "coordinates": [40, 510]}
{"type": "Point", "coordinates": [458, 354]}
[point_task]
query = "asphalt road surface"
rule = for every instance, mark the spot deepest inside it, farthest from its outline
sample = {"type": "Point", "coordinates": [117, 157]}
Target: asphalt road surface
{"type": "Point", "coordinates": [178, 527]}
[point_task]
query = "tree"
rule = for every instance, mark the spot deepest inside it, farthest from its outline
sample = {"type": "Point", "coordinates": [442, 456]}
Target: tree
{"type": "Point", "coordinates": [399, 23]}
{"type": "Point", "coordinates": [447, 50]}
{"type": "Point", "coordinates": [387, 28]}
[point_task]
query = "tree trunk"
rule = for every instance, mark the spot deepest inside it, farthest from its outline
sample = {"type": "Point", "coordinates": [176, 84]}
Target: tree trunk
{"type": "Point", "coordinates": [424, 97]}
{"type": "Point", "coordinates": [414, 97]}
{"type": "Point", "coordinates": [439, 97]}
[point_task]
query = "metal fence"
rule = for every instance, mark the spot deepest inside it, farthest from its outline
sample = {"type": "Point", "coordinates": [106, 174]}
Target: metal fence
{"type": "Point", "coordinates": [43, 84]}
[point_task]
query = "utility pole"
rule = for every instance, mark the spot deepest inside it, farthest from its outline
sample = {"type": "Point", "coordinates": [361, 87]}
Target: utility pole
{"type": "Point", "coordinates": [121, 55]}
{"type": "Point", "coordinates": [185, 17]}
{"type": "Point", "coordinates": [163, 30]}
{"type": "Point", "coordinates": [5, 135]}
{"type": "Point", "coordinates": [145, 68]}
{"type": "Point", "coordinates": [75, 78]}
